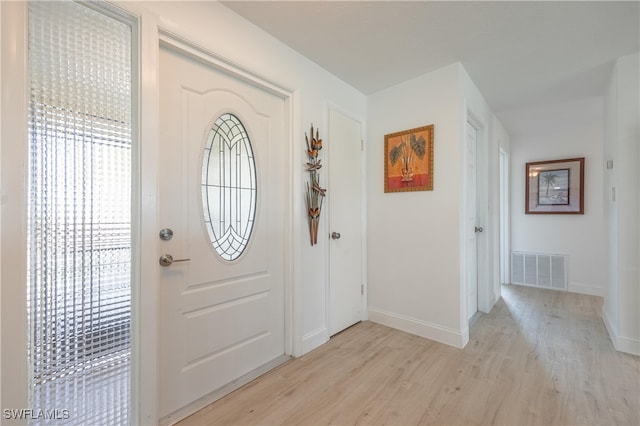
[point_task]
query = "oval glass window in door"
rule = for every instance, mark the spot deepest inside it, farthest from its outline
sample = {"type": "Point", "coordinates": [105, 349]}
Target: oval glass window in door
{"type": "Point", "coordinates": [229, 189]}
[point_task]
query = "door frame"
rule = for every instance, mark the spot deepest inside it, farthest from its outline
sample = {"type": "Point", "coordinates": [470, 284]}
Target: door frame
{"type": "Point", "coordinates": [505, 240]}
{"type": "Point", "coordinates": [13, 202]}
{"type": "Point", "coordinates": [329, 106]}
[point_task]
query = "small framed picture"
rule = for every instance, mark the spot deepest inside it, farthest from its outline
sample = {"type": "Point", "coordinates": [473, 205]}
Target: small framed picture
{"type": "Point", "coordinates": [555, 187]}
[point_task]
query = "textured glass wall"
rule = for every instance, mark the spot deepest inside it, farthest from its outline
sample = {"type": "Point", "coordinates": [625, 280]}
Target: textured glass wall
{"type": "Point", "coordinates": [79, 248]}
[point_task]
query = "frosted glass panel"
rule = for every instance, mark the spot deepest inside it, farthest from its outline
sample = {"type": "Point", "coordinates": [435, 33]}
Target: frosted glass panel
{"type": "Point", "coordinates": [79, 228]}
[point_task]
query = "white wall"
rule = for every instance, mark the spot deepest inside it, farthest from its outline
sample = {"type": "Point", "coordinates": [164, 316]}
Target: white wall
{"type": "Point", "coordinates": [221, 31]}
{"type": "Point", "coordinates": [415, 256]}
{"type": "Point", "coordinates": [622, 124]}
{"type": "Point", "coordinates": [413, 237]}
{"type": "Point", "coordinates": [567, 130]}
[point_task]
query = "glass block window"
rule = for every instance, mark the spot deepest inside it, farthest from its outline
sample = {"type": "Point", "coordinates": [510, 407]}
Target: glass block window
{"type": "Point", "coordinates": [229, 186]}
{"type": "Point", "coordinates": [79, 214]}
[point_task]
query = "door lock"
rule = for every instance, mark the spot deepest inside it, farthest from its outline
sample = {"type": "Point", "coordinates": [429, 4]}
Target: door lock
{"type": "Point", "coordinates": [166, 234]}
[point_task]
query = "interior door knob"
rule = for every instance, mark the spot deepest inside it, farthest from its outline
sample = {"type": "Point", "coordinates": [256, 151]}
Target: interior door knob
{"type": "Point", "coordinates": [167, 260]}
{"type": "Point", "coordinates": [479, 229]}
{"type": "Point", "coordinates": [335, 235]}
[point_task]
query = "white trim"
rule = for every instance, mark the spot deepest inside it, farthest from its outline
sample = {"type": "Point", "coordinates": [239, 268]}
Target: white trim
{"type": "Point", "coordinates": [144, 295]}
{"type": "Point", "coordinates": [628, 345]}
{"type": "Point", "coordinates": [438, 333]}
{"type": "Point", "coordinates": [592, 290]}
{"type": "Point", "coordinates": [170, 39]}
{"type": "Point", "coordinates": [146, 300]}
{"type": "Point", "coordinates": [314, 339]}
{"type": "Point", "coordinates": [293, 292]}
{"type": "Point", "coordinates": [620, 343]}
{"type": "Point", "coordinates": [504, 219]}
{"type": "Point", "coordinates": [13, 200]}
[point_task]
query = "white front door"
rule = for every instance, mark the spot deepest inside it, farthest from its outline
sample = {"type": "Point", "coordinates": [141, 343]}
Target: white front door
{"type": "Point", "coordinates": [220, 320]}
{"type": "Point", "coordinates": [345, 221]}
{"type": "Point", "coordinates": [472, 227]}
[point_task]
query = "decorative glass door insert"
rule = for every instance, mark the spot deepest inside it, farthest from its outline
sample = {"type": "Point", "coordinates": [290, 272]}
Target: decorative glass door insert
{"type": "Point", "coordinates": [229, 186]}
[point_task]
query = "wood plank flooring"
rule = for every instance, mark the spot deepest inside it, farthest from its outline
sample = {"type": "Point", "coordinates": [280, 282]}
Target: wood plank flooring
{"type": "Point", "coordinates": [541, 357]}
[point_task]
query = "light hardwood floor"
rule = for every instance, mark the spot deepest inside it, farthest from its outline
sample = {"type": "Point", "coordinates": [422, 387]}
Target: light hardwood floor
{"type": "Point", "coordinates": [541, 357]}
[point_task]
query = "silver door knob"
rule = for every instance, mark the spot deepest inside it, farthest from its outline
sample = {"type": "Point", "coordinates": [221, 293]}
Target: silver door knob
{"type": "Point", "coordinates": [479, 229]}
{"type": "Point", "coordinates": [167, 260]}
{"type": "Point", "coordinates": [335, 235]}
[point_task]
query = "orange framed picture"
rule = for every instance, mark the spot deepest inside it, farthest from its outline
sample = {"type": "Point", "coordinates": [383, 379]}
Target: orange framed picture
{"type": "Point", "coordinates": [408, 160]}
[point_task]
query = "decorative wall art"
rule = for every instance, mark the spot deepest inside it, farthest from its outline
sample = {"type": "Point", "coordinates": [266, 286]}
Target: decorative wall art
{"type": "Point", "coordinates": [408, 160]}
{"type": "Point", "coordinates": [555, 187]}
{"type": "Point", "coordinates": [314, 192]}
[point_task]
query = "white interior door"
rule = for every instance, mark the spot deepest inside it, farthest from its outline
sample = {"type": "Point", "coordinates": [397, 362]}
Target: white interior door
{"type": "Point", "coordinates": [505, 276]}
{"type": "Point", "coordinates": [472, 227]}
{"type": "Point", "coordinates": [345, 221]}
{"type": "Point", "coordinates": [220, 320]}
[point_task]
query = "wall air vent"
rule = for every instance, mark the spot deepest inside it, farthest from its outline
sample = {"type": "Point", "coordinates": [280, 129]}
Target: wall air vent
{"type": "Point", "coordinates": [539, 270]}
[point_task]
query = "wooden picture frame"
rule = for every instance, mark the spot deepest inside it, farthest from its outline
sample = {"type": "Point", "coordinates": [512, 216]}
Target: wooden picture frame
{"type": "Point", "coordinates": [408, 160]}
{"type": "Point", "coordinates": [555, 187]}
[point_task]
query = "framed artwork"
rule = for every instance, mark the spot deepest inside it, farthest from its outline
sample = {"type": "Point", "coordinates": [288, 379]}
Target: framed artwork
{"type": "Point", "coordinates": [408, 160]}
{"type": "Point", "coordinates": [555, 187]}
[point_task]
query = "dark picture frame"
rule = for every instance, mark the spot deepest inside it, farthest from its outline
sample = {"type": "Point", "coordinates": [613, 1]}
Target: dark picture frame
{"type": "Point", "coordinates": [555, 186]}
{"type": "Point", "coordinates": [408, 160]}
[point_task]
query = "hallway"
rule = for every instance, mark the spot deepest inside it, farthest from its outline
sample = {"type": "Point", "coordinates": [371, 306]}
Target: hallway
{"type": "Point", "coordinates": [540, 357]}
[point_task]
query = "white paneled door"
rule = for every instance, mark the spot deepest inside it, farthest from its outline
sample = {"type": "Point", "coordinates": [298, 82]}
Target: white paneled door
{"type": "Point", "coordinates": [345, 221]}
{"type": "Point", "coordinates": [472, 223]}
{"type": "Point", "coordinates": [221, 317]}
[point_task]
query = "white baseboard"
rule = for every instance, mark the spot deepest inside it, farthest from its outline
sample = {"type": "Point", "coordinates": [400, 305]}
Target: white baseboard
{"type": "Point", "coordinates": [448, 336]}
{"type": "Point", "coordinates": [592, 290]}
{"type": "Point", "coordinates": [314, 339]}
{"type": "Point", "coordinates": [627, 345]}
{"type": "Point", "coordinates": [620, 343]}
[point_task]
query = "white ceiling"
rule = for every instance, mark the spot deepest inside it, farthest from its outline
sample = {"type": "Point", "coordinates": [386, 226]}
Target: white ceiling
{"type": "Point", "coordinates": [519, 54]}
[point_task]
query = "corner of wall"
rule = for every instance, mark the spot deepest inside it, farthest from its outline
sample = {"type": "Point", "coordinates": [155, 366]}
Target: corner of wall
{"type": "Point", "coordinates": [620, 343]}
{"type": "Point", "coordinates": [314, 339]}
{"type": "Point", "coordinates": [435, 332]}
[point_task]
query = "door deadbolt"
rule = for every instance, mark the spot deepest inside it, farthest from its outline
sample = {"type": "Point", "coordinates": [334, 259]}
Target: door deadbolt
{"type": "Point", "coordinates": [166, 234]}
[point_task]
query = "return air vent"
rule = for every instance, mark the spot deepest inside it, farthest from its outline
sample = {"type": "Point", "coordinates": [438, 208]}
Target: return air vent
{"type": "Point", "coordinates": [539, 270]}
